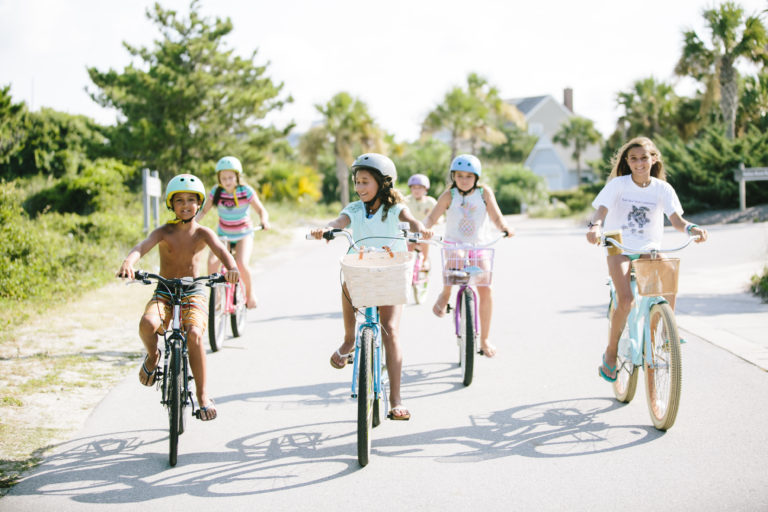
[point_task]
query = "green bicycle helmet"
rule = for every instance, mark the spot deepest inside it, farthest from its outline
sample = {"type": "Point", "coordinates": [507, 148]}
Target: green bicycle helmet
{"type": "Point", "coordinates": [184, 183]}
{"type": "Point", "coordinates": [229, 163]}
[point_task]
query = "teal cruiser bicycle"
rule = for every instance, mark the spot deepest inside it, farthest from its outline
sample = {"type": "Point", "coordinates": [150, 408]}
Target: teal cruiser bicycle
{"type": "Point", "coordinates": [373, 278]}
{"type": "Point", "coordinates": [650, 339]}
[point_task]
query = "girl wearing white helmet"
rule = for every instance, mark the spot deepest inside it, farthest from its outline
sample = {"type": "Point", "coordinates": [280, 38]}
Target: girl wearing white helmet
{"type": "Point", "coordinates": [233, 199]}
{"type": "Point", "coordinates": [377, 214]}
{"type": "Point", "coordinates": [420, 205]}
{"type": "Point", "coordinates": [467, 207]}
{"type": "Point", "coordinates": [181, 243]}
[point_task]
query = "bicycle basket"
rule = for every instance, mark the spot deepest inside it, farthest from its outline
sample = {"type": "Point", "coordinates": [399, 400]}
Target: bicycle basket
{"type": "Point", "coordinates": [656, 277]}
{"type": "Point", "coordinates": [378, 279]}
{"type": "Point", "coordinates": [464, 264]}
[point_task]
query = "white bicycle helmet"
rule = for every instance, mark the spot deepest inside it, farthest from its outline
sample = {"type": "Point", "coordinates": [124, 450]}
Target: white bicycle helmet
{"type": "Point", "coordinates": [377, 162]}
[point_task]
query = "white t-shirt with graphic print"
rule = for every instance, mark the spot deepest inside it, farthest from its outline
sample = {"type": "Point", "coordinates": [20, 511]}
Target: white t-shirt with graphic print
{"type": "Point", "coordinates": [638, 211]}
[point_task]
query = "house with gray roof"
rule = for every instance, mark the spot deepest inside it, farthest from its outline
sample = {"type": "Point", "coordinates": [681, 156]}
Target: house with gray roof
{"type": "Point", "coordinates": [548, 159]}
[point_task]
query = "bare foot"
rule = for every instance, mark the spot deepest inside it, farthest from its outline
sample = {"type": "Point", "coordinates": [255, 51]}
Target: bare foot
{"type": "Point", "coordinates": [439, 308]}
{"type": "Point", "coordinates": [487, 349]}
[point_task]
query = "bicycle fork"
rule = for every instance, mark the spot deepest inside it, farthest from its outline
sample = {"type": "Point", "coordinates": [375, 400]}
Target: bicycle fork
{"type": "Point", "coordinates": [376, 355]}
{"type": "Point", "coordinates": [456, 313]}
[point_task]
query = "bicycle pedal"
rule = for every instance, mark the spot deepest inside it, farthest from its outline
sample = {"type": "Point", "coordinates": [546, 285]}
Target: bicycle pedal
{"type": "Point", "coordinates": [448, 308]}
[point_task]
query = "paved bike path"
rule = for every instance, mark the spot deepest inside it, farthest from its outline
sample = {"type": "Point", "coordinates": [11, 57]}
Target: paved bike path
{"type": "Point", "coordinates": [537, 430]}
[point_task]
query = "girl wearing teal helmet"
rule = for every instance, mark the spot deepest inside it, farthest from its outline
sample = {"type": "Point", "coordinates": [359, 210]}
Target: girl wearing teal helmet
{"type": "Point", "coordinates": [233, 199]}
{"type": "Point", "coordinates": [467, 207]}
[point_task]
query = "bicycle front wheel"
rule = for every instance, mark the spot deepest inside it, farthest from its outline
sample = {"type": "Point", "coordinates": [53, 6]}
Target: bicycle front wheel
{"type": "Point", "coordinates": [626, 378]}
{"type": "Point", "coordinates": [663, 367]}
{"type": "Point", "coordinates": [467, 335]}
{"type": "Point", "coordinates": [365, 396]}
{"type": "Point", "coordinates": [174, 402]}
{"type": "Point", "coordinates": [217, 316]}
{"type": "Point", "coordinates": [237, 317]}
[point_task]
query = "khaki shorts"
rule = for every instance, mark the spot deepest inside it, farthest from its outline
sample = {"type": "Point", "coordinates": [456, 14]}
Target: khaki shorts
{"type": "Point", "coordinates": [194, 311]}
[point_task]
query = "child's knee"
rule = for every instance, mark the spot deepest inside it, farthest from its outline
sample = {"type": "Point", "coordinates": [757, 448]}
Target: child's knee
{"type": "Point", "coordinates": [149, 324]}
{"type": "Point", "coordinates": [194, 335]}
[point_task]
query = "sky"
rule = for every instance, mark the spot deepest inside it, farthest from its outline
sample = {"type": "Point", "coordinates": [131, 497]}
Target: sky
{"type": "Point", "coordinates": [400, 56]}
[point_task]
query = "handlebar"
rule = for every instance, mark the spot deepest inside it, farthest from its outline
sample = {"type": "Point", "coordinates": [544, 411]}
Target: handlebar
{"type": "Point", "coordinates": [407, 236]}
{"type": "Point", "coordinates": [607, 240]}
{"type": "Point", "coordinates": [141, 276]}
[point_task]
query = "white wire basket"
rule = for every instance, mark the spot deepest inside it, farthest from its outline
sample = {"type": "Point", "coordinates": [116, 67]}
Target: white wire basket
{"type": "Point", "coordinates": [378, 278]}
{"type": "Point", "coordinates": [466, 264]}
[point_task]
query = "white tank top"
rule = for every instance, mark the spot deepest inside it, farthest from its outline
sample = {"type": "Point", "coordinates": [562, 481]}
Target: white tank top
{"type": "Point", "coordinates": [465, 219]}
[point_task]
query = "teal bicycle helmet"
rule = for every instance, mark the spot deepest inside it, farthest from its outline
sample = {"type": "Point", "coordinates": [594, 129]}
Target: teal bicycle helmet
{"type": "Point", "coordinates": [229, 163]}
{"type": "Point", "coordinates": [184, 183]}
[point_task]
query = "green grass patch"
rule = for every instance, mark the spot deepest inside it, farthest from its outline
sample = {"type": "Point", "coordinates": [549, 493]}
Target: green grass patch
{"type": "Point", "coordinates": [10, 401]}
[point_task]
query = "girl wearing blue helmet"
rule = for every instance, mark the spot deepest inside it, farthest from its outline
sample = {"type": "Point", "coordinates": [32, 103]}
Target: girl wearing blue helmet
{"type": "Point", "coordinates": [467, 207]}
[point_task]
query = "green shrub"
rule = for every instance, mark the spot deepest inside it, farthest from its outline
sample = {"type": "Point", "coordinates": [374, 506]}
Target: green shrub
{"type": "Point", "coordinates": [515, 186]}
{"type": "Point", "coordinates": [577, 200]}
{"type": "Point", "coordinates": [98, 188]}
{"type": "Point", "coordinates": [760, 285]}
{"type": "Point", "coordinates": [290, 181]}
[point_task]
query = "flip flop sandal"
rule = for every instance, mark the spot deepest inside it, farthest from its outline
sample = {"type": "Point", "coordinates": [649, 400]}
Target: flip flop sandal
{"type": "Point", "coordinates": [403, 417]}
{"type": "Point", "coordinates": [347, 358]}
{"type": "Point", "coordinates": [207, 413]}
{"type": "Point", "coordinates": [611, 369]}
{"type": "Point", "coordinates": [151, 376]}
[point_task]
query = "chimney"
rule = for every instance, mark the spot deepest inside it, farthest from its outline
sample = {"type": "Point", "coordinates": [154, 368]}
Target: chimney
{"type": "Point", "coordinates": [568, 98]}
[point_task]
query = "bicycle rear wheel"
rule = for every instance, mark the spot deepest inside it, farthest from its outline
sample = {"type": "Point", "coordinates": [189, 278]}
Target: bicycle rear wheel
{"type": "Point", "coordinates": [663, 375]}
{"type": "Point", "coordinates": [238, 316]}
{"type": "Point", "coordinates": [626, 378]}
{"type": "Point", "coordinates": [174, 402]}
{"type": "Point", "coordinates": [420, 287]}
{"type": "Point", "coordinates": [217, 316]}
{"type": "Point", "coordinates": [365, 396]}
{"type": "Point", "coordinates": [467, 335]}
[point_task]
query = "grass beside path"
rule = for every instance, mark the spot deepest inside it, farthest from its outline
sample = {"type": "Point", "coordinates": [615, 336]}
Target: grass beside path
{"type": "Point", "coordinates": [57, 367]}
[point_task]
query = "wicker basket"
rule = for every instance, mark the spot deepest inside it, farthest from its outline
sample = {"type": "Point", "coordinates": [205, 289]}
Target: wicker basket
{"type": "Point", "coordinates": [656, 277]}
{"type": "Point", "coordinates": [467, 265]}
{"type": "Point", "coordinates": [378, 279]}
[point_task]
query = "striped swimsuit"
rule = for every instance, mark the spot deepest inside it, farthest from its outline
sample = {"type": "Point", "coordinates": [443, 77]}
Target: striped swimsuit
{"type": "Point", "coordinates": [234, 220]}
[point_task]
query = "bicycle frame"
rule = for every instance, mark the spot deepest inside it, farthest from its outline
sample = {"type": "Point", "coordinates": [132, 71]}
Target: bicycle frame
{"type": "Point", "coordinates": [638, 327]}
{"type": "Point", "coordinates": [371, 315]}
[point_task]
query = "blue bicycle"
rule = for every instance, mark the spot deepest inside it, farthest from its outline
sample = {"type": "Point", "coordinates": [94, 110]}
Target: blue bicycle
{"type": "Point", "coordinates": [651, 338]}
{"type": "Point", "coordinates": [373, 278]}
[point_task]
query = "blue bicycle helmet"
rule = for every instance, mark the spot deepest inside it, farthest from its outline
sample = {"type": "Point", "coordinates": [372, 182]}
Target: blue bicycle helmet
{"type": "Point", "coordinates": [468, 163]}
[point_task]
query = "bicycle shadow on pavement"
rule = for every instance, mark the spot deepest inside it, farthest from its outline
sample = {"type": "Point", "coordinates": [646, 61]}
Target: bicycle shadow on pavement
{"type": "Point", "coordinates": [562, 428]}
{"type": "Point", "coordinates": [123, 467]}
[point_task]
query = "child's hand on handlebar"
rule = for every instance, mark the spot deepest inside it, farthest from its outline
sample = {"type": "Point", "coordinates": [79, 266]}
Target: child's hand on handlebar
{"type": "Point", "coordinates": [233, 276]}
{"type": "Point", "coordinates": [508, 232]}
{"type": "Point", "coordinates": [317, 233]}
{"type": "Point", "coordinates": [126, 271]}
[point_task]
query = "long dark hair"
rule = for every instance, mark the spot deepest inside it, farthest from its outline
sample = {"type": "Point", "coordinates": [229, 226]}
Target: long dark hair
{"type": "Point", "coordinates": [387, 194]}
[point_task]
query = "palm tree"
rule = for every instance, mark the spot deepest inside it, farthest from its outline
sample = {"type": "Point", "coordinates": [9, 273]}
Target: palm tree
{"type": "Point", "coordinates": [580, 133]}
{"type": "Point", "coordinates": [733, 38]}
{"type": "Point", "coordinates": [473, 115]}
{"type": "Point", "coordinates": [348, 125]}
{"type": "Point", "coordinates": [649, 108]}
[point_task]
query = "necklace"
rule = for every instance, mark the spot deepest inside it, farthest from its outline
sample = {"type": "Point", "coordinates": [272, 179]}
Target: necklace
{"type": "Point", "coordinates": [642, 185]}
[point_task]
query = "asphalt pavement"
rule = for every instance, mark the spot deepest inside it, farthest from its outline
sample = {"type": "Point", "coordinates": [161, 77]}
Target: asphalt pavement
{"type": "Point", "coordinates": [536, 430]}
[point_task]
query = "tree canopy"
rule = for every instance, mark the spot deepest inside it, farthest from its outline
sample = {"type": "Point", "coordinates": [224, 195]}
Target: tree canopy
{"type": "Point", "coordinates": [189, 100]}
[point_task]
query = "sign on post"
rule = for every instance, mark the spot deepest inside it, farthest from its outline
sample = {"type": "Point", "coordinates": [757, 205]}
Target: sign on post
{"type": "Point", "coordinates": [745, 174]}
{"type": "Point", "coordinates": [152, 190]}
